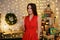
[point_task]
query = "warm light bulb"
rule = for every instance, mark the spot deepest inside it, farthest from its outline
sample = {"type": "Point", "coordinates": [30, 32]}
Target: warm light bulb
{"type": "Point", "coordinates": [56, 1]}
{"type": "Point", "coordinates": [22, 0]}
{"type": "Point", "coordinates": [44, 1]}
{"type": "Point", "coordinates": [16, 6]}
{"type": "Point", "coordinates": [48, 0]}
{"type": "Point", "coordinates": [52, 2]}
{"type": "Point", "coordinates": [37, 1]}
{"type": "Point", "coordinates": [8, 6]}
{"type": "Point", "coordinates": [56, 8]}
{"type": "Point", "coordinates": [56, 16]}
{"type": "Point", "coordinates": [16, 0]}
{"type": "Point", "coordinates": [57, 13]}
{"type": "Point", "coordinates": [0, 12]}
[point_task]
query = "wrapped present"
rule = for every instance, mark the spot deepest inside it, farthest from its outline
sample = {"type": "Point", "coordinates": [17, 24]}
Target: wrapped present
{"type": "Point", "coordinates": [53, 31]}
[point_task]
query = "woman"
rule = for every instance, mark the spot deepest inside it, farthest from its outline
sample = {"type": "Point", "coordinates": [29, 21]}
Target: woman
{"type": "Point", "coordinates": [31, 24]}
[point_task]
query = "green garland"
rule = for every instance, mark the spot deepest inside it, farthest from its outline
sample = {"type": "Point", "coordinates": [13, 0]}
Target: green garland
{"type": "Point", "coordinates": [10, 18]}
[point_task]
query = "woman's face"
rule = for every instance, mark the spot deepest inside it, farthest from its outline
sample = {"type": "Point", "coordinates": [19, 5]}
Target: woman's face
{"type": "Point", "coordinates": [29, 10]}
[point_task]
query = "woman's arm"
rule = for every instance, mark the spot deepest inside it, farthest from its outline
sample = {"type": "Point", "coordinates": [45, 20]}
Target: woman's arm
{"type": "Point", "coordinates": [22, 26]}
{"type": "Point", "coordinates": [39, 26]}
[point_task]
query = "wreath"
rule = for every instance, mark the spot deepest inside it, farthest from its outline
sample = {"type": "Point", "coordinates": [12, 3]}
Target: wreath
{"type": "Point", "coordinates": [10, 18]}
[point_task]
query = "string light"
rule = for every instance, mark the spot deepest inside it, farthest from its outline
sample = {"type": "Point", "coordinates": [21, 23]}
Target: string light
{"type": "Point", "coordinates": [52, 2]}
{"type": "Point", "coordinates": [16, 0]}
{"type": "Point", "coordinates": [17, 6]}
{"type": "Point", "coordinates": [22, 0]}
{"type": "Point", "coordinates": [44, 1]}
{"type": "Point", "coordinates": [56, 16]}
{"type": "Point", "coordinates": [57, 9]}
{"type": "Point", "coordinates": [48, 0]}
{"type": "Point", "coordinates": [37, 1]}
{"type": "Point", "coordinates": [56, 1]}
{"type": "Point", "coordinates": [8, 6]}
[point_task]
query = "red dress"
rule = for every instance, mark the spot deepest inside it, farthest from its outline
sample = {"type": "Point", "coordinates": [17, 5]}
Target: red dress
{"type": "Point", "coordinates": [30, 28]}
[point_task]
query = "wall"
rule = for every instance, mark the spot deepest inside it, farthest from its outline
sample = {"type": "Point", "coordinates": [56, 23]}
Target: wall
{"type": "Point", "coordinates": [18, 7]}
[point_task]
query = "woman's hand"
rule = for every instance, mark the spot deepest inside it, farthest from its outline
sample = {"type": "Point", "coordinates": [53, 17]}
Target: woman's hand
{"type": "Point", "coordinates": [38, 35]}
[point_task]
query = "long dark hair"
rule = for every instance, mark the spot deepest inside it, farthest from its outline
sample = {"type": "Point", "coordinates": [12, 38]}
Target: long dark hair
{"type": "Point", "coordinates": [33, 6]}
